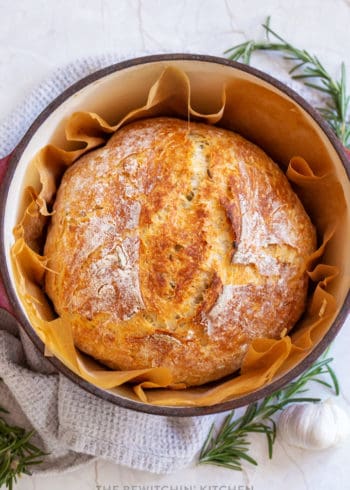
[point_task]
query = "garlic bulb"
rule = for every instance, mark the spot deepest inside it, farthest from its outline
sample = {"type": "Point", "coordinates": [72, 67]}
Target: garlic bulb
{"type": "Point", "coordinates": [314, 425]}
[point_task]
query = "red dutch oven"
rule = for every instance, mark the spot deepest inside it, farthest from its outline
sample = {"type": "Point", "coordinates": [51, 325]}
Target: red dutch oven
{"type": "Point", "coordinates": [96, 93]}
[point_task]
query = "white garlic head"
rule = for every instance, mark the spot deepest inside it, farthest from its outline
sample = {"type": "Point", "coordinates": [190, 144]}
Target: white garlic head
{"type": "Point", "coordinates": [314, 425]}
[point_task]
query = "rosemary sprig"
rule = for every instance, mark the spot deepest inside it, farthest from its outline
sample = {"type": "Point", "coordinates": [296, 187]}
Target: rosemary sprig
{"type": "Point", "coordinates": [230, 446]}
{"type": "Point", "coordinates": [17, 453]}
{"type": "Point", "coordinates": [307, 68]}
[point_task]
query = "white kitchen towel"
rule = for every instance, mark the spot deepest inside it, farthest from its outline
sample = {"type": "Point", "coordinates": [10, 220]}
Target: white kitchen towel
{"type": "Point", "coordinates": [71, 424]}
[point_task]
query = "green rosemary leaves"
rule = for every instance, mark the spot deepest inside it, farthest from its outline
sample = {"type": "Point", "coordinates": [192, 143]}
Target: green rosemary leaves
{"type": "Point", "coordinates": [17, 453]}
{"type": "Point", "coordinates": [307, 68]}
{"type": "Point", "coordinates": [230, 445]}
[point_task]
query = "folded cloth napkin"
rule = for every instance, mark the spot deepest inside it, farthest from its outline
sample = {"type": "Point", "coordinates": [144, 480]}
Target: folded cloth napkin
{"type": "Point", "coordinates": [71, 424]}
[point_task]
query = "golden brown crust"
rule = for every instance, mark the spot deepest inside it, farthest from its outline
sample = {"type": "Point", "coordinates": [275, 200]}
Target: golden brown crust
{"type": "Point", "coordinates": [176, 245]}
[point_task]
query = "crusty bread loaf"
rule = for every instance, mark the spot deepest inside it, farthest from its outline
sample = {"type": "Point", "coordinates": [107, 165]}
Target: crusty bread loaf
{"type": "Point", "coordinates": [177, 244]}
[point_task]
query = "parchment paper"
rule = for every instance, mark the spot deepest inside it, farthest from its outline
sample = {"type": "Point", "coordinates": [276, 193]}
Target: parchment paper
{"type": "Point", "coordinates": [315, 181]}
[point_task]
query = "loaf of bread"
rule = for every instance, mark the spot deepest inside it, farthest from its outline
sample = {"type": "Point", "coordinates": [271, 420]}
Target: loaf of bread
{"type": "Point", "coordinates": [176, 244]}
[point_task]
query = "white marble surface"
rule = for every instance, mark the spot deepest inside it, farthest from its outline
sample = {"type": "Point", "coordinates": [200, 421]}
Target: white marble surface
{"type": "Point", "coordinates": [38, 35]}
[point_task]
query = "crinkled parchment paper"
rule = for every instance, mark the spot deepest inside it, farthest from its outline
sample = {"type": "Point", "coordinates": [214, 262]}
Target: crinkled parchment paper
{"type": "Point", "coordinates": [315, 181]}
